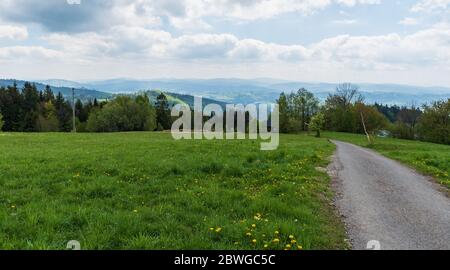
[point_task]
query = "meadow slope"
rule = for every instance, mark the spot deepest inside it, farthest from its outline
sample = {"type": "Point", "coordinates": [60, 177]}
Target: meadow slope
{"type": "Point", "coordinates": [147, 191]}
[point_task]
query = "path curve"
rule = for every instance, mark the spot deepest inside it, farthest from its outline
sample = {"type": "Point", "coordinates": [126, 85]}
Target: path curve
{"type": "Point", "coordinates": [382, 200]}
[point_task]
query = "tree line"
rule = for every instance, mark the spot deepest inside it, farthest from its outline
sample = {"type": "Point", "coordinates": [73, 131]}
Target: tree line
{"type": "Point", "coordinates": [345, 111]}
{"type": "Point", "coordinates": [30, 110]}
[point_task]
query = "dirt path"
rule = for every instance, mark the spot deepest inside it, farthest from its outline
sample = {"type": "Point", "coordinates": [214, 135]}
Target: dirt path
{"type": "Point", "coordinates": [383, 200]}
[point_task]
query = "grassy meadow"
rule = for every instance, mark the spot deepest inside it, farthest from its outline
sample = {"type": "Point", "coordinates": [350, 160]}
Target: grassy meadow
{"type": "Point", "coordinates": [428, 158]}
{"type": "Point", "coordinates": [148, 191]}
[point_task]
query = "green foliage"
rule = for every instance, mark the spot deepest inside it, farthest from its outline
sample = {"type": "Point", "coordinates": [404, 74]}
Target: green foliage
{"type": "Point", "coordinates": [317, 123]}
{"type": "Point", "coordinates": [163, 118]}
{"type": "Point", "coordinates": [147, 191]}
{"type": "Point", "coordinates": [47, 120]}
{"type": "Point", "coordinates": [123, 114]}
{"type": "Point", "coordinates": [374, 121]}
{"type": "Point", "coordinates": [434, 124]}
{"type": "Point", "coordinates": [296, 110]}
{"type": "Point", "coordinates": [1, 122]}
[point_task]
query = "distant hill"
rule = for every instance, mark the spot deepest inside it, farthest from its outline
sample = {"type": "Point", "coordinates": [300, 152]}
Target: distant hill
{"type": "Point", "coordinates": [267, 90]}
{"type": "Point", "coordinates": [262, 90]}
{"type": "Point", "coordinates": [80, 93]}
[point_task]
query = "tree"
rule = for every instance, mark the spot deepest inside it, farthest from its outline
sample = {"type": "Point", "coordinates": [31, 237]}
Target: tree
{"type": "Point", "coordinates": [63, 113]}
{"type": "Point", "coordinates": [123, 114]}
{"type": "Point", "coordinates": [163, 117]}
{"type": "Point", "coordinates": [317, 123]}
{"type": "Point", "coordinates": [284, 113]}
{"type": "Point", "coordinates": [31, 102]}
{"type": "Point", "coordinates": [296, 110]}
{"type": "Point", "coordinates": [434, 123]}
{"type": "Point", "coordinates": [407, 119]}
{"type": "Point", "coordinates": [368, 120]}
{"type": "Point", "coordinates": [48, 94]}
{"type": "Point", "coordinates": [11, 107]}
{"type": "Point", "coordinates": [305, 105]}
{"type": "Point", "coordinates": [1, 122]}
{"type": "Point", "coordinates": [47, 120]}
{"type": "Point", "coordinates": [338, 108]}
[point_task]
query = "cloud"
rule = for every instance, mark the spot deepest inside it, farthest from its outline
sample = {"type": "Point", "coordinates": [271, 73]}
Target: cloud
{"type": "Point", "coordinates": [427, 47]}
{"type": "Point", "coordinates": [392, 51]}
{"type": "Point", "coordinates": [15, 53]}
{"type": "Point", "coordinates": [95, 15]}
{"type": "Point", "coordinates": [409, 21]}
{"type": "Point", "coordinates": [431, 5]}
{"type": "Point", "coordinates": [13, 32]}
{"type": "Point", "coordinates": [345, 22]}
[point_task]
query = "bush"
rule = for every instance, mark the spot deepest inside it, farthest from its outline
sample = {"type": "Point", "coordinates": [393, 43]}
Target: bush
{"type": "Point", "coordinates": [123, 114]}
{"type": "Point", "coordinates": [434, 124]}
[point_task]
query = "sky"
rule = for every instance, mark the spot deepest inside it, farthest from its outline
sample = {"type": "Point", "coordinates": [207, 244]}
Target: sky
{"type": "Point", "coordinates": [372, 41]}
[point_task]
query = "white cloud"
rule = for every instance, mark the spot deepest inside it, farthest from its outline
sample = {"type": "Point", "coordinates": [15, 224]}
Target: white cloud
{"type": "Point", "coordinates": [409, 21]}
{"type": "Point", "coordinates": [13, 32]}
{"type": "Point", "coordinates": [26, 52]}
{"type": "Point", "coordinates": [424, 48]}
{"type": "Point", "coordinates": [392, 51]}
{"type": "Point", "coordinates": [58, 16]}
{"type": "Point", "coordinates": [431, 5]}
{"type": "Point", "coordinates": [345, 22]}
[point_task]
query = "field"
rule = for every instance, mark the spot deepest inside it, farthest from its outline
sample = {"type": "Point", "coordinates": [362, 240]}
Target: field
{"type": "Point", "coordinates": [147, 191]}
{"type": "Point", "coordinates": [428, 158]}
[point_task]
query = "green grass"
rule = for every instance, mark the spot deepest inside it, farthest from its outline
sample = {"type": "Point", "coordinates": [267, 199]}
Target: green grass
{"type": "Point", "coordinates": [428, 158]}
{"type": "Point", "coordinates": [148, 191]}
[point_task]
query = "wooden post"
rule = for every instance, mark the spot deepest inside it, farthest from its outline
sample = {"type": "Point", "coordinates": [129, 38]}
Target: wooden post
{"type": "Point", "coordinates": [74, 128]}
{"type": "Point", "coordinates": [365, 130]}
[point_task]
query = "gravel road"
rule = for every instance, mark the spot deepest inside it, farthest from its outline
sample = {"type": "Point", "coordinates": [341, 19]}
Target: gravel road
{"type": "Point", "coordinates": [382, 200]}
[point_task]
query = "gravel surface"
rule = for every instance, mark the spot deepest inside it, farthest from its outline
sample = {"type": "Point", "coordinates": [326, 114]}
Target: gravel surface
{"type": "Point", "coordinates": [382, 200]}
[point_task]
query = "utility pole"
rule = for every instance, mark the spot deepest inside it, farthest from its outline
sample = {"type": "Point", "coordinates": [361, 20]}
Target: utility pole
{"type": "Point", "coordinates": [74, 129]}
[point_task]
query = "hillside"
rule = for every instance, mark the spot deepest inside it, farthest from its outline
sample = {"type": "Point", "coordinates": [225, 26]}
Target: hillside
{"type": "Point", "coordinates": [266, 90]}
{"type": "Point", "coordinates": [80, 93]}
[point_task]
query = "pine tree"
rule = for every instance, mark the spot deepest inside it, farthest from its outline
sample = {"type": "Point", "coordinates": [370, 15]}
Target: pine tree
{"type": "Point", "coordinates": [63, 113]}
{"type": "Point", "coordinates": [163, 117]}
{"type": "Point", "coordinates": [48, 94]}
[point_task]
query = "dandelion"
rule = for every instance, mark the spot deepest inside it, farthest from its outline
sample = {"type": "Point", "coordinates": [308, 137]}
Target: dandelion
{"type": "Point", "coordinates": [253, 226]}
{"type": "Point", "coordinates": [211, 229]}
{"type": "Point", "coordinates": [291, 236]}
{"type": "Point", "coordinates": [276, 240]}
{"type": "Point", "coordinates": [299, 247]}
{"type": "Point", "coordinates": [249, 234]}
{"type": "Point", "coordinates": [266, 245]}
{"type": "Point", "coordinates": [254, 241]}
{"type": "Point", "coordinates": [218, 230]}
{"type": "Point", "coordinates": [288, 246]}
{"type": "Point", "coordinates": [135, 211]}
{"type": "Point", "coordinates": [293, 241]}
{"type": "Point", "coordinates": [13, 206]}
{"type": "Point", "coordinates": [277, 232]}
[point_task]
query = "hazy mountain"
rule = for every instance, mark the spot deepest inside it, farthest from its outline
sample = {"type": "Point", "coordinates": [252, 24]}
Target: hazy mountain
{"type": "Point", "coordinates": [261, 89]}
{"type": "Point", "coordinates": [268, 90]}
